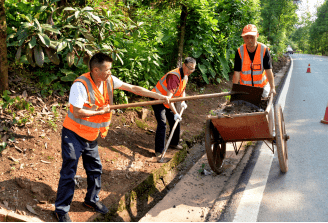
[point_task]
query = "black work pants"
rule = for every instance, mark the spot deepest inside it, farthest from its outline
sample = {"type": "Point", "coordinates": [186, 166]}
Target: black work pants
{"type": "Point", "coordinates": [162, 114]}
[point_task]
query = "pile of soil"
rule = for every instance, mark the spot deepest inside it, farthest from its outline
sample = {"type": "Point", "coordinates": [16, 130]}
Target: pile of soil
{"type": "Point", "coordinates": [238, 107]}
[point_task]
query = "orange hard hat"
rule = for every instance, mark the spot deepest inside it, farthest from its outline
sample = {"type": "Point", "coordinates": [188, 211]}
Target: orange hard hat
{"type": "Point", "coordinates": [250, 29]}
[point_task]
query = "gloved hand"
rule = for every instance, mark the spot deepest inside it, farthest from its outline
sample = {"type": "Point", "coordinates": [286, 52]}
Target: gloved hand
{"type": "Point", "coordinates": [177, 116]}
{"type": "Point", "coordinates": [184, 105]}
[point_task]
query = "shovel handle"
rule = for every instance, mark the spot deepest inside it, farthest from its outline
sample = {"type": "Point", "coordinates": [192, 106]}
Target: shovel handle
{"type": "Point", "coordinates": [146, 103]}
{"type": "Point", "coordinates": [170, 137]}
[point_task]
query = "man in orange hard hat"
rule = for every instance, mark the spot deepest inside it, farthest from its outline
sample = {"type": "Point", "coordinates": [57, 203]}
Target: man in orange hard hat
{"type": "Point", "coordinates": [253, 66]}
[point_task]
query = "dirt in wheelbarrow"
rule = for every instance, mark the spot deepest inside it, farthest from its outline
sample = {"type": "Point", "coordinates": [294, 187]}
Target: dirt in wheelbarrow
{"type": "Point", "coordinates": [239, 107]}
{"type": "Point", "coordinates": [30, 153]}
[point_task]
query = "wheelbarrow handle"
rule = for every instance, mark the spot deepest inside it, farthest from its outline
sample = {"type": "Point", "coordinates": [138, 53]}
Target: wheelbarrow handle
{"type": "Point", "coordinates": [170, 137]}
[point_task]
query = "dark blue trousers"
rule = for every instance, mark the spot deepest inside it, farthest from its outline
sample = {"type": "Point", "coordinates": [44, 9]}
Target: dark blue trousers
{"type": "Point", "coordinates": [162, 114]}
{"type": "Point", "coordinates": [73, 146]}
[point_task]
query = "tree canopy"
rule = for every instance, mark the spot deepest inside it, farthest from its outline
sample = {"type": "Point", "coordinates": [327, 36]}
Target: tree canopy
{"type": "Point", "coordinates": [145, 38]}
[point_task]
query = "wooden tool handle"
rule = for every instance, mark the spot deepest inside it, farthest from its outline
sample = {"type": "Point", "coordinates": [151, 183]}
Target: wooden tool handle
{"type": "Point", "coordinates": [137, 104]}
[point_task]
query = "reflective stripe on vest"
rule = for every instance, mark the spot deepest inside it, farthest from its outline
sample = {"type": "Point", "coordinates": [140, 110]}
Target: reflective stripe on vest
{"type": "Point", "coordinates": [87, 123]}
{"type": "Point", "coordinates": [259, 77]}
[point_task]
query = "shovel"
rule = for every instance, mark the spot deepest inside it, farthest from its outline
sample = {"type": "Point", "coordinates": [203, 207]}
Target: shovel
{"type": "Point", "coordinates": [170, 137]}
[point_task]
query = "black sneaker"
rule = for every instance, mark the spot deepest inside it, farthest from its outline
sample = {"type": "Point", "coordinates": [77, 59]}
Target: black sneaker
{"type": "Point", "coordinates": [99, 207]}
{"type": "Point", "coordinates": [62, 217]}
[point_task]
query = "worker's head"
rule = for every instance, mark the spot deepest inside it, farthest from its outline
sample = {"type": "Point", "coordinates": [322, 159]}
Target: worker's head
{"type": "Point", "coordinates": [189, 66]}
{"type": "Point", "coordinates": [100, 65]}
{"type": "Point", "coordinates": [250, 35]}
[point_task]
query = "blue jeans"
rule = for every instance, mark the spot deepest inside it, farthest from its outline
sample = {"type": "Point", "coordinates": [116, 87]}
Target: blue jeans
{"type": "Point", "coordinates": [161, 114]}
{"type": "Point", "coordinates": [73, 146]}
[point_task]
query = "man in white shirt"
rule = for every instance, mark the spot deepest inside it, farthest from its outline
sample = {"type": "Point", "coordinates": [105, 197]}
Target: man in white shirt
{"type": "Point", "coordinates": [90, 99]}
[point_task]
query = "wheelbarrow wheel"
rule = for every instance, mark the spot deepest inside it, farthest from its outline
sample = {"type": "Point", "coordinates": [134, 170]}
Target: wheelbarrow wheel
{"type": "Point", "coordinates": [215, 147]}
{"type": "Point", "coordinates": [281, 139]}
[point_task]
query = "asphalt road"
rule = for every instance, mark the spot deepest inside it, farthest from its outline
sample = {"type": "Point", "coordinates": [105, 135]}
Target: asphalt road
{"type": "Point", "coordinates": [266, 194]}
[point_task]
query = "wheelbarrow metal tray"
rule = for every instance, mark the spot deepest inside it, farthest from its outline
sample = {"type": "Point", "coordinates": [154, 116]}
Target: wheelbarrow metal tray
{"type": "Point", "coordinates": [243, 127]}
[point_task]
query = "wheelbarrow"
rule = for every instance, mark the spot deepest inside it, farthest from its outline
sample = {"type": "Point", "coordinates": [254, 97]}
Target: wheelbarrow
{"type": "Point", "coordinates": [255, 126]}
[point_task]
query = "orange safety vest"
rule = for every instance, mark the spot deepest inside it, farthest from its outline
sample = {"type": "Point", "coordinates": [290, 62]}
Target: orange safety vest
{"type": "Point", "coordinates": [89, 127]}
{"type": "Point", "coordinates": [253, 74]}
{"type": "Point", "coordinates": [161, 86]}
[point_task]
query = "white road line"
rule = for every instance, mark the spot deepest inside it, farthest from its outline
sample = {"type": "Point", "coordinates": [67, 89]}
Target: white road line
{"type": "Point", "coordinates": [250, 202]}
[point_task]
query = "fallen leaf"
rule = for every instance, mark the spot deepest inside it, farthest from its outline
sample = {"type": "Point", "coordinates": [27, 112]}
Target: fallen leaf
{"type": "Point", "coordinates": [30, 209]}
{"type": "Point", "coordinates": [24, 94]}
{"type": "Point", "coordinates": [18, 149]}
{"type": "Point", "coordinates": [13, 159]}
{"type": "Point", "coordinates": [45, 161]}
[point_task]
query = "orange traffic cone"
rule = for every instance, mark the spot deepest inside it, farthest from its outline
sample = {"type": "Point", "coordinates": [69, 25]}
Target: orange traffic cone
{"type": "Point", "coordinates": [325, 119]}
{"type": "Point", "coordinates": [309, 69]}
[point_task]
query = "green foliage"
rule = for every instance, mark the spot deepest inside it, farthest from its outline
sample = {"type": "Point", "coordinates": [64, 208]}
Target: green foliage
{"type": "Point", "coordinates": [311, 36]}
{"type": "Point", "coordinates": [141, 36]}
{"type": "Point", "coordinates": [278, 18]}
{"type": "Point", "coordinates": [214, 29]}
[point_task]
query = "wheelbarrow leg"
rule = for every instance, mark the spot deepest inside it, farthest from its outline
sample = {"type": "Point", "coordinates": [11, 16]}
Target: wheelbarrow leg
{"type": "Point", "coordinates": [170, 137]}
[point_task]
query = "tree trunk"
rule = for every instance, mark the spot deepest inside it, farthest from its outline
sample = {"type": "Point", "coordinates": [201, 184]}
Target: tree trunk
{"type": "Point", "coordinates": [183, 20]}
{"type": "Point", "coordinates": [3, 49]}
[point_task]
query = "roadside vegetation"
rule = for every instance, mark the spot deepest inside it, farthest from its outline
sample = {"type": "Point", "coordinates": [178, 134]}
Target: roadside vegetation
{"type": "Point", "coordinates": [48, 43]}
{"type": "Point", "coordinates": [311, 35]}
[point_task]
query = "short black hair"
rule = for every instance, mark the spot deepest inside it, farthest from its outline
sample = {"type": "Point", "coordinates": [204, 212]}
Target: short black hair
{"type": "Point", "coordinates": [98, 60]}
{"type": "Point", "coordinates": [189, 60]}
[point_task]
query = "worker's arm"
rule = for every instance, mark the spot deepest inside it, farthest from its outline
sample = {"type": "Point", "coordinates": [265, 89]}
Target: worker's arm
{"type": "Point", "coordinates": [269, 75]}
{"type": "Point", "coordinates": [172, 107]}
{"type": "Point", "coordinates": [83, 113]}
{"type": "Point", "coordinates": [236, 77]}
{"type": "Point", "coordinates": [143, 92]}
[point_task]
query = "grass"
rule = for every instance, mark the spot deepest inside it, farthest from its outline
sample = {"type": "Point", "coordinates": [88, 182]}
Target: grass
{"type": "Point", "coordinates": [141, 124]}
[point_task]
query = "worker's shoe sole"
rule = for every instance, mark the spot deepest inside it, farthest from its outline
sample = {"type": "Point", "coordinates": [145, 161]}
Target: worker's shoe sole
{"type": "Point", "coordinates": [98, 207]}
{"type": "Point", "coordinates": [62, 217]}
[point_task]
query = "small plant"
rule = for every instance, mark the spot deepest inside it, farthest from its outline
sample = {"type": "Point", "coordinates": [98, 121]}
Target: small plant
{"type": "Point", "coordinates": [54, 110]}
{"type": "Point", "coordinates": [50, 158]}
{"type": "Point", "coordinates": [211, 112]}
{"type": "Point", "coordinates": [202, 168]}
{"type": "Point", "coordinates": [52, 124]}
{"type": "Point", "coordinates": [2, 146]}
{"type": "Point", "coordinates": [228, 97]}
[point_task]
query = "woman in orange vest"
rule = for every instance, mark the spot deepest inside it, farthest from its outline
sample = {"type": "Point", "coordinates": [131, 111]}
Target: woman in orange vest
{"type": "Point", "coordinates": [253, 65]}
{"type": "Point", "coordinates": [89, 114]}
{"type": "Point", "coordinates": [172, 84]}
